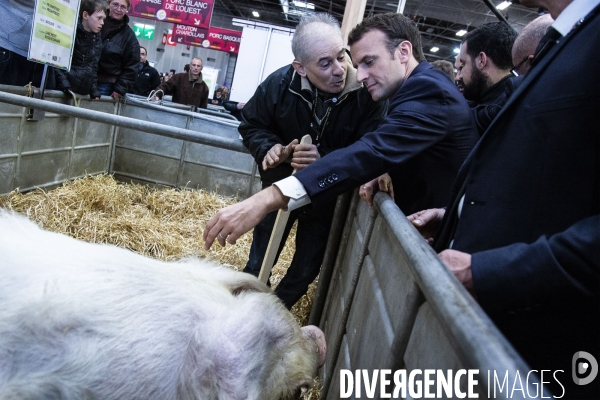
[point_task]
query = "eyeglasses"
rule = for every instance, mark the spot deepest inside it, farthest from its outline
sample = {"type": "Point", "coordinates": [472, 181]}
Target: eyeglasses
{"type": "Point", "coordinates": [514, 70]}
{"type": "Point", "coordinates": [118, 6]}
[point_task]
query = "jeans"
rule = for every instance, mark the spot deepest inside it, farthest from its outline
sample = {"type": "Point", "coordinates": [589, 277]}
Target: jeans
{"type": "Point", "coordinates": [311, 239]}
{"type": "Point", "coordinates": [106, 88]}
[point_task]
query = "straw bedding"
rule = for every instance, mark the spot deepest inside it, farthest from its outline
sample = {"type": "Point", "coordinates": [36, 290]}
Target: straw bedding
{"type": "Point", "coordinates": [166, 224]}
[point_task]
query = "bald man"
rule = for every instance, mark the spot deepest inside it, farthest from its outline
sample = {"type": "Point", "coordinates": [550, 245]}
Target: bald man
{"type": "Point", "coordinates": [187, 87]}
{"type": "Point", "coordinates": [524, 47]}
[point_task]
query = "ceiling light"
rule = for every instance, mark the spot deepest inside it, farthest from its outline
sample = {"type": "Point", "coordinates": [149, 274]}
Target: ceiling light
{"type": "Point", "coordinates": [255, 14]}
{"type": "Point", "coordinates": [462, 32]}
{"type": "Point", "coordinates": [456, 50]}
{"type": "Point", "coordinates": [434, 49]}
{"type": "Point", "coordinates": [503, 5]}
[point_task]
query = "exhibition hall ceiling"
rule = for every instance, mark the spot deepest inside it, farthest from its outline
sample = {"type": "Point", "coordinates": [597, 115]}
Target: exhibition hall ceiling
{"type": "Point", "coordinates": [438, 20]}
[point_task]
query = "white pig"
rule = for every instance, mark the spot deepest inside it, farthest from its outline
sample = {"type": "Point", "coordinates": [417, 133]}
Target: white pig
{"type": "Point", "coordinates": [90, 321]}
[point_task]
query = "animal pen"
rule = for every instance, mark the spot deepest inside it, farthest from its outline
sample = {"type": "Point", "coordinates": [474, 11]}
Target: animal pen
{"type": "Point", "coordinates": [384, 299]}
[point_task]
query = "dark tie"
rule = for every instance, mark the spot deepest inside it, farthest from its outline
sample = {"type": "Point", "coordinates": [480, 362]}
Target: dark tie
{"type": "Point", "coordinates": [548, 41]}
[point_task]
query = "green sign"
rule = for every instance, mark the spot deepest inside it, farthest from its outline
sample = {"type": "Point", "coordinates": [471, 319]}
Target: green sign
{"type": "Point", "coordinates": [148, 32]}
{"type": "Point", "coordinates": [142, 31]}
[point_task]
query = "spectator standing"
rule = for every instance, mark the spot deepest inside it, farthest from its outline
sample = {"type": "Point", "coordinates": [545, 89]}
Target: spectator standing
{"type": "Point", "coordinates": [147, 78]}
{"type": "Point", "coordinates": [484, 62]}
{"type": "Point", "coordinates": [118, 66]}
{"type": "Point", "coordinates": [217, 99]}
{"type": "Point", "coordinates": [225, 94]}
{"type": "Point", "coordinates": [446, 67]}
{"type": "Point", "coordinates": [187, 88]}
{"type": "Point", "coordinates": [523, 49]}
{"type": "Point", "coordinates": [83, 76]}
{"type": "Point", "coordinates": [16, 19]}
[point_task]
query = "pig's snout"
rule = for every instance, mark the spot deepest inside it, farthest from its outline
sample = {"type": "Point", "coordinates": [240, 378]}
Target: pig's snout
{"type": "Point", "coordinates": [313, 333]}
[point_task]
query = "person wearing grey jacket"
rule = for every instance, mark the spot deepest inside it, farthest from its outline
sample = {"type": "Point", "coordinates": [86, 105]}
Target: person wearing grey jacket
{"type": "Point", "coordinates": [16, 19]}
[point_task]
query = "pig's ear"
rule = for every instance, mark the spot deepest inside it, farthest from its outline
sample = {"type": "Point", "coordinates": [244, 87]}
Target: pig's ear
{"type": "Point", "coordinates": [244, 285]}
{"type": "Point", "coordinates": [238, 282]}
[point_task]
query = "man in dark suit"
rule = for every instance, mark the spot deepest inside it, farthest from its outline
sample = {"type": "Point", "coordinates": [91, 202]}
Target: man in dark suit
{"type": "Point", "coordinates": [523, 224]}
{"type": "Point", "coordinates": [428, 132]}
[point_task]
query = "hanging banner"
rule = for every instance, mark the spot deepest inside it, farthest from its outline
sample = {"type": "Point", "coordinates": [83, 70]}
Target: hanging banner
{"type": "Point", "coordinates": [213, 38]}
{"type": "Point", "coordinates": [53, 32]}
{"type": "Point", "coordinates": [224, 39]}
{"type": "Point", "coordinates": [185, 12]}
{"type": "Point", "coordinates": [189, 35]}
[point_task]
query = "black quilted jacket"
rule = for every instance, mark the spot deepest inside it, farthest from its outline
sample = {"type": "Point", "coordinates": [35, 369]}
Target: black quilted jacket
{"type": "Point", "coordinates": [83, 76]}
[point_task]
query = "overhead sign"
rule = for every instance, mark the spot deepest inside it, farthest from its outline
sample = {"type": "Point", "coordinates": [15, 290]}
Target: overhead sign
{"type": "Point", "coordinates": [213, 38]}
{"type": "Point", "coordinates": [143, 31]}
{"type": "Point", "coordinates": [53, 32]}
{"type": "Point", "coordinates": [224, 39]}
{"type": "Point", "coordinates": [185, 12]}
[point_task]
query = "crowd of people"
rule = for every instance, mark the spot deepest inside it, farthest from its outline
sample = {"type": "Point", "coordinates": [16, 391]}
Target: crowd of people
{"type": "Point", "coordinates": [107, 58]}
{"type": "Point", "coordinates": [517, 216]}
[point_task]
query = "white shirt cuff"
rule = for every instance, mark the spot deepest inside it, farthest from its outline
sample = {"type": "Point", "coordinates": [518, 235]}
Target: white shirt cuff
{"type": "Point", "coordinates": [292, 188]}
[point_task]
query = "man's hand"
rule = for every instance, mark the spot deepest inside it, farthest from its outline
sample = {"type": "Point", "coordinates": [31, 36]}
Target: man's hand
{"type": "Point", "coordinates": [383, 183]}
{"type": "Point", "coordinates": [240, 105]}
{"type": "Point", "coordinates": [278, 154]}
{"type": "Point", "coordinates": [459, 264]}
{"type": "Point", "coordinates": [304, 155]}
{"type": "Point", "coordinates": [116, 95]}
{"type": "Point", "coordinates": [232, 222]}
{"type": "Point", "coordinates": [427, 222]}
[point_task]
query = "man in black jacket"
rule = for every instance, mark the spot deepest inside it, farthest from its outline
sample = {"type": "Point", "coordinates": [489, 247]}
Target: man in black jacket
{"type": "Point", "coordinates": [147, 78]}
{"type": "Point", "coordinates": [317, 95]}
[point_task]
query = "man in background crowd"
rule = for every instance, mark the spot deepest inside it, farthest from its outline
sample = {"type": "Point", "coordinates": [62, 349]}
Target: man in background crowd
{"type": "Point", "coordinates": [484, 62]}
{"type": "Point", "coordinates": [16, 19]}
{"type": "Point", "coordinates": [187, 87]}
{"type": "Point", "coordinates": [524, 47]}
{"type": "Point", "coordinates": [147, 78]}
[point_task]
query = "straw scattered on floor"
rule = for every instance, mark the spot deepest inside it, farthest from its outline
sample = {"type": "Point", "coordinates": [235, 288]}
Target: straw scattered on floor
{"type": "Point", "coordinates": [166, 224]}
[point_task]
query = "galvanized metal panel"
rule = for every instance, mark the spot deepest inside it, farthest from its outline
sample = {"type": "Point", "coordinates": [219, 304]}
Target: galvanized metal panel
{"type": "Point", "coordinates": [333, 327]}
{"type": "Point", "coordinates": [430, 348]}
{"type": "Point", "coordinates": [343, 362]}
{"type": "Point", "coordinates": [369, 310]}
{"type": "Point", "coordinates": [9, 134]}
{"type": "Point", "coordinates": [43, 169]}
{"type": "Point", "coordinates": [400, 292]}
{"type": "Point", "coordinates": [153, 115]}
{"type": "Point", "coordinates": [144, 166]}
{"type": "Point", "coordinates": [211, 156]}
{"type": "Point", "coordinates": [91, 132]}
{"type": "Point", "coordinates": [7, 172]}
{"type": "Point", "coordinates": [214, 128]}
{"type": "Point", "coordinates": [54, 132]}
{"type": "Point", "coordinates": [350, 261]}
{"type": "Point", "coordinates": [144, 142]}
{"type": "Point", "coordinates": [227, 183]}
{"type": "Point", "coordinates": [89, 161]}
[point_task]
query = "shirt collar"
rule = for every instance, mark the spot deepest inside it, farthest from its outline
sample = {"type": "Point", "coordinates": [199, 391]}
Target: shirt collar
{"type": "Point", "coordinates": [573, 13]}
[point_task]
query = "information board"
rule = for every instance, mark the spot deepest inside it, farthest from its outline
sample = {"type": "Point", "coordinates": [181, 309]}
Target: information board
{"type": "Point", "coordinates": [213, 38]}
{"type": "Point", "coordinates": [185, 12]}
{"type": "Point", "coordinates": [53, 32]}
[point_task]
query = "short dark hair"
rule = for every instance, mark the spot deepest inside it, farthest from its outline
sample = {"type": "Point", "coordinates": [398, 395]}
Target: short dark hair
{"type": "Point", "coordinates": [396, 27]}
{"type": "Point", "coordinates": [142, 47]}
{"type": "Point", "coordinates": [495, 40]}
{"type": "Point", "coordinates": [91, 6]}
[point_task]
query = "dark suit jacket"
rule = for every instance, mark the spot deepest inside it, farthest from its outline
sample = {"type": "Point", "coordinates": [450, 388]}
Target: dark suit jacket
{"type": "Point", "coordinates": [427, 133]}
{"type": "Point", "coordinates": [531, 210]}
